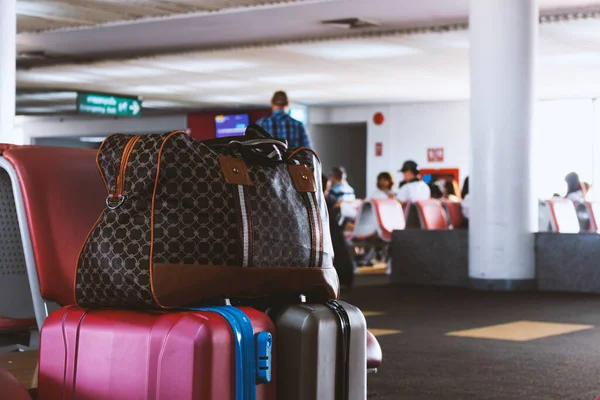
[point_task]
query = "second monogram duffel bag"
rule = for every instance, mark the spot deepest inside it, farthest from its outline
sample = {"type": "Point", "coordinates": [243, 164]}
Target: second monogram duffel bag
{"type": "Point", "coordinates": [187, 220]}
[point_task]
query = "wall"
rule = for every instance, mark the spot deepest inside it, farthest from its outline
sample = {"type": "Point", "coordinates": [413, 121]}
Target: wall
{"type": "Point", "coordinates": [563, 141]}
{"type": "Point", "coordinates": [566, 137]}
{"type": "Point", "coordinates": [66, 142]}
{"type": "Point", "coordinates": [406, 133]}
{"type": "Point", "coordinates": [63, 126]}
{"type": "Point", "coordinates": [417, 127]}
{"type": "Point", "coordinates": [202, 125]}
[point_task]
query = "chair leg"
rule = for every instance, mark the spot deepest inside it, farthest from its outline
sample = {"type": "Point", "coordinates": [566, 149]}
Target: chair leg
{"type": "Point", "coordinates": [34, 339]}
{"type": "Point", "coordinates": [33, 344]}
{"type": "Point", "coordinates": [9, 349]}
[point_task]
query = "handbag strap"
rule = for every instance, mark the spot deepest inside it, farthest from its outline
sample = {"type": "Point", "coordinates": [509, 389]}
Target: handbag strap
{"type": "Point", "coordinates": [256, 146]}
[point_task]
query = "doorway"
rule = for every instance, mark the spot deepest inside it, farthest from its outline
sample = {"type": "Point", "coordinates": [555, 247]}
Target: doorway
{"type": "Point", "coordinates": [343, 145]}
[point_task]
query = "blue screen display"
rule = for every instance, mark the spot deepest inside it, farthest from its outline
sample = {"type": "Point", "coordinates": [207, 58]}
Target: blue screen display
{"type": "Point", "coordinates": [231, 125]}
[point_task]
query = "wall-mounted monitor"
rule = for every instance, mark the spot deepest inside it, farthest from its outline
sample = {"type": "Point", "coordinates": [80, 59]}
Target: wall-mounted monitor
{"type": "Point", "coordinates": [231, 125]}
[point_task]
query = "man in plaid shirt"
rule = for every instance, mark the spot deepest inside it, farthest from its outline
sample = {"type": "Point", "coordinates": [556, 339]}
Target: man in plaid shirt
{"type": "Point", "coordinates": [280, 125]}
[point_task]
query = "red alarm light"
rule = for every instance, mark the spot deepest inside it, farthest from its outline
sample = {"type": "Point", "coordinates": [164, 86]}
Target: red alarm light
{"type": "Point", "coordinates": [378, 118]}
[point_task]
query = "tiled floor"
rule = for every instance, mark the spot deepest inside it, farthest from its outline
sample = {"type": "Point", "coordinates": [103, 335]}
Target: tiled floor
{"type": "Point", "coordinates": [467, 345]}
{"type": "Point", "coordinates": [521, 331]}
{"type": "Point", "coordinates": [368, 314]}
{"type": "Point", "coordinates": [383, 332]}
{"type": "Point", "coordinates": [23, 365]}
{"type": "Point", "coordinates": [537, 346]}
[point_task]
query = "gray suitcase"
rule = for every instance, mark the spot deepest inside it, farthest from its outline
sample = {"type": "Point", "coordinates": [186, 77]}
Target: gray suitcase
{"type": "Point", "coordinates": [321, 352]}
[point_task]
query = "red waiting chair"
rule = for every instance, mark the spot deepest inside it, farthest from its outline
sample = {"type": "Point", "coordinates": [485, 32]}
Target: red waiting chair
{"type": "Point", "coordinates": [377, 219]}
{"type": "Point", "coordinates": [427, 214]}
{"type": "Point", "coordinates": [58, 195]}
{"type": "Point", "coordinates": [16, 308]}
{"type": "Point", "coordinates": [593, 209]}
{"type": "Point", "coordinates": [453, 210]}
{"type": "Point", "coordinates": [563, 216]}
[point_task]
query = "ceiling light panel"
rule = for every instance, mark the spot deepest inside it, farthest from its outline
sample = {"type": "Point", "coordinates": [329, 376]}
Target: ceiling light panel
{"type": "Point", "coordinates": [47, 96]}
{"type": "Point", "coordinates": [353, 49]}
{"type": "Point", "coordinates": [120, 70]}
{"type": "Point", "coordinates": [243, 99]}
{"type": "Point", "coordinates": [200, 65]}
{"type": "Point", "coordinates": [582, 59]}
{"type": "Point", "coordinates": [155, 89]}
{"type": "Point", "coordinates": [307, 94]}
{"type": "Point", "coordinates": [288, 79]}
{"type": "Point", "coordinates": [454, 40]}
{"type": "Point", "coordinates": [44, 110]}
{"type": "Point", "coordinates": [220, 84]}
{"type": "Point", "coordinates": [54, 76]}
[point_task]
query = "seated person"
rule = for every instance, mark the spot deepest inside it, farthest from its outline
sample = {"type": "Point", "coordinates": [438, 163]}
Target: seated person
{"type": "Point", "coordinates": [343, 261]}
{"type": "Point", "coordinates": [465, 188]}
{"type": "Point", "coordinates": [339, 190]}
{"type": "Point", "coordinates": [385, 187]}
{"type": "Point", "coordinates": [466, 206]}
{"type": "Point", "coordinates": [451, 191]}
{"type": "Point", "coordinates": [466, 202]}
{"type": "Point", "coordinates": [436, 192]}
{"type": "Point", "coordinates": [412, 188]}
{"type": "Point", "coordinates": [575, 190]}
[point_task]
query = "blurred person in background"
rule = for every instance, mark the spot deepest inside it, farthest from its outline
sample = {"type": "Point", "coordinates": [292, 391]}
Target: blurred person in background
{"type": "Point", "coordinates": [412, 188]}
{"type": "Point", "coordinates": [435, 189]}
{"type": "Point", "coordinates": [339, 189]}
{"type": "Point", "coordinates": [451, 191]}
{"type": "Point", "coordinates": [385, 187]}
{"type": "Point", "coordinates": [343, 260]}
{"type": "Point", "coordinates": [281, 126]}
{"type": "Point", "coordinates": [575, 190]}
{"type": "Point", "coordinates": [465, 188]}
{"type": "Point", "coordinates": [466, 202]}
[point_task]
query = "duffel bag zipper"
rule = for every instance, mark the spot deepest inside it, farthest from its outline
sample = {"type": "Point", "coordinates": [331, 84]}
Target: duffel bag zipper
{"type": "Point", "coordinates": [117, 198]}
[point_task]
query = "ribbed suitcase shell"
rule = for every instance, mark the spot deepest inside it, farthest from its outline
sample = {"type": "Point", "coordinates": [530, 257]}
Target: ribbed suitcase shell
{"type": "Point", "coordinates": [129, 355]}
{"type": "Point", "coordinates": [307, 358]}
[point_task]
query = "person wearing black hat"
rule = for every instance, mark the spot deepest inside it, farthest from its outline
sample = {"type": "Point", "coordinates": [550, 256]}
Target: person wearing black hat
{"type": "Point", "coordinates": [280, 125]}
{"type": "Point", "coordinates": [412, 188]}
{"type": "Point", "coordinates": [575, 189]}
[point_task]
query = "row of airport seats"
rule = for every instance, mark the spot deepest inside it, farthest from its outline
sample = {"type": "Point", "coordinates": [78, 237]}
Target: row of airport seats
{"type": "Point", "coordinates": [376, 219]}
{"type": "Point", "coordinates": [564, 216]}
{"type": "Point", "coordinates": [49, 199]}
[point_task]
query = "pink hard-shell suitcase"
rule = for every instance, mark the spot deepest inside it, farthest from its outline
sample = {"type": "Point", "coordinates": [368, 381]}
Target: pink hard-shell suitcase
{"type": "Point", "coordinates": [134, 355]}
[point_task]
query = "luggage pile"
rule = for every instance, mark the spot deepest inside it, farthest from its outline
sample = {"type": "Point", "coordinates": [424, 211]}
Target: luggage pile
{"type": "Point", "coordinates": [192, 234]}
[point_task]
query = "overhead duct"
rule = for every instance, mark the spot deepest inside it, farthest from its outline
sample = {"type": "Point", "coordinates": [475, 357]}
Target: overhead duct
{"type": "Point", "coordinates": [44, 15]}
{"type": "Point", "coordinates": [350, 23]}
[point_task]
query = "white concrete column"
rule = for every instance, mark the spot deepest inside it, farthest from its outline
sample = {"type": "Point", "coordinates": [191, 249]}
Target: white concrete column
{"type": "Point", "coordinates": [503, 45]}
{"type": "Point", "coordinates": [8, 65]}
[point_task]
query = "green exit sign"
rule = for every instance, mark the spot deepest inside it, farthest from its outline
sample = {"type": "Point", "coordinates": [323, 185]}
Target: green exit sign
{"type": "Point", "coordinates": [109, 104]}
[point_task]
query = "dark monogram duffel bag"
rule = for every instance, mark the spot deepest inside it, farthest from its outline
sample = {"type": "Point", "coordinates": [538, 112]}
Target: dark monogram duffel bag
{"type": "Point", "coordinates": [187, 220]}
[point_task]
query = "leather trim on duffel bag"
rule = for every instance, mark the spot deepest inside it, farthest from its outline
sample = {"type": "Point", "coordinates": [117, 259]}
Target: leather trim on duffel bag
{"type": "Point", "coordinates": [303, 178]}
{"type": "Point", "coordinates": [178, 284]}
